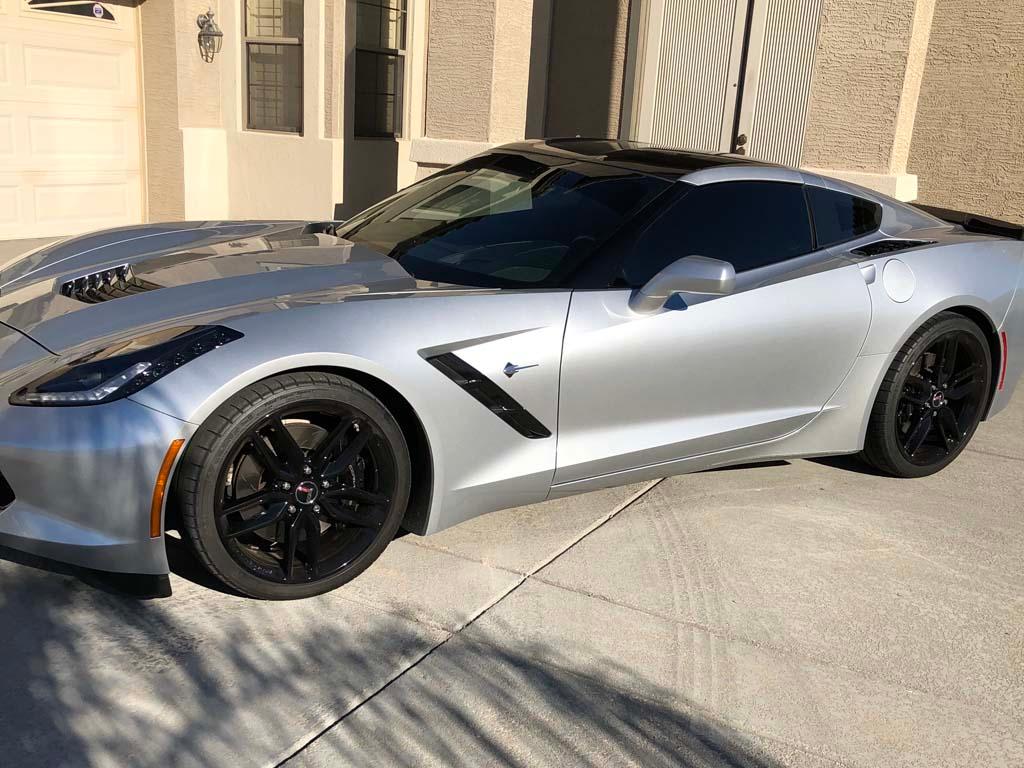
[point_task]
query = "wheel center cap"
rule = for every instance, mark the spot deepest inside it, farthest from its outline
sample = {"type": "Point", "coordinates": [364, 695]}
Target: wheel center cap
{"type": "Point", "coordinates": [306, 492]}
{"type": "Point", "coordinates": [938, 399]}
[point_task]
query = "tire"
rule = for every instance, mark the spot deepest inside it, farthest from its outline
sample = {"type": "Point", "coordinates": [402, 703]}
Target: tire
{"type": "Point", "coordinates": [931, 399]}
{"type": "Point", "coordinates": [294, 486]}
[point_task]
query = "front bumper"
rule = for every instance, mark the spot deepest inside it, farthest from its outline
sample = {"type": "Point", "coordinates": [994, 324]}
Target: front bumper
{"type": "Point", "coordinates": [83, 482]}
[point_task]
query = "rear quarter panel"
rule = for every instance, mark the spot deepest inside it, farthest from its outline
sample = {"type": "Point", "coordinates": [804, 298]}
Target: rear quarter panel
{"type": "Point", "coordinates": [979, 273]}
{"type": "Point", "coordinates": [1011, 332]}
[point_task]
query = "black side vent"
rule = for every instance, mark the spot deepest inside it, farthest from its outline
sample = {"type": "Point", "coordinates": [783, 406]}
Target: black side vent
{"type": "Point", "coordinates": [880, 247]}
{"type": "Point", "coordinates": [114, 283]}
{"type": "Point", "coordinates": [493, 397]}
{"type": "Point", "coordinates": [6, 492]}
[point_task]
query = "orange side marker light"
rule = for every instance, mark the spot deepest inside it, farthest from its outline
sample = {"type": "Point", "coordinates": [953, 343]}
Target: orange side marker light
{"type": "Point", "coordinates": [160, 489]}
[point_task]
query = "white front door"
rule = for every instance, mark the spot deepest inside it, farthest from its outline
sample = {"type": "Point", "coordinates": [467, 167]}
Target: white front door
{"type": "Point", "coordinates": [70, 133]}
{"type": "Point", "coordinates": [722, 75]}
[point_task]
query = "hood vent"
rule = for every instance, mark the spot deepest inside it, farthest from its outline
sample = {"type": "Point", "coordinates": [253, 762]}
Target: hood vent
{"type": "Point", "coordinates": [114, 283]}
{"type": "Point", "coordinates": [880, 247]}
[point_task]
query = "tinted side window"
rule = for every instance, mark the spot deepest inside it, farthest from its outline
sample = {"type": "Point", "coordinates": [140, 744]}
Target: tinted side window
{"type": "Point", "coordinates": [748, 223]}
{"type": "Point", "coordinates": [839, 217]}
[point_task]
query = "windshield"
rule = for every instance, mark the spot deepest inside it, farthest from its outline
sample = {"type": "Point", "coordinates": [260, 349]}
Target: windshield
{"type": "Point", "coordinates": [504, 220]}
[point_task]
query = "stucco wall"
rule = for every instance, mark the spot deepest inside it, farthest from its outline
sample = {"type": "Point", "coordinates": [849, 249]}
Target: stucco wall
{"type": "Point", "coordinates": [460, 63]}
{"type": "Point", "coordinates": [859, 71]}
{"type": "Point", "coordinates": [967, 147]}
{"type": "Point", "coordinates": [199, 82]}
{"type": "Point", "coordinates": [514, 22]}
{"type": "Point", "coordinates": [334, 56]}
{"type": "Point", "coordinates": [181, 92]}
{"type": "Point", "coordinates": [588, 56]}
{"type": "Point", "coordinates": [164, 154]}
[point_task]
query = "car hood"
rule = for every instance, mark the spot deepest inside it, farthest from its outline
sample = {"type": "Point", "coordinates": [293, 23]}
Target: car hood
{"type": "Point", "coordinates": [111, 282]}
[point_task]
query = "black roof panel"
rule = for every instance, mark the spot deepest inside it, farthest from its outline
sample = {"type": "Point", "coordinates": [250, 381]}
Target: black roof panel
{"type": "Point", "coordinates": [643, 157]}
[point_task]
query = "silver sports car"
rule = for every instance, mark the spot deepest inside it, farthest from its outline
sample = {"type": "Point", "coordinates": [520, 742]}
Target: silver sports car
{"type": "Point", "coordinates": [544, 319]}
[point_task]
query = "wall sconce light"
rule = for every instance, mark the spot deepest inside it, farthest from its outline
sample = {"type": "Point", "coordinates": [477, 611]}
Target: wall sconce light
{"type": "Point", "coordinates": [210, 37]}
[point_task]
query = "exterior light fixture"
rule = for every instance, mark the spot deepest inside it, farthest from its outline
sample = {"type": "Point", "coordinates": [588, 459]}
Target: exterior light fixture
{"type": "Point", "coordinates": [210, 37]}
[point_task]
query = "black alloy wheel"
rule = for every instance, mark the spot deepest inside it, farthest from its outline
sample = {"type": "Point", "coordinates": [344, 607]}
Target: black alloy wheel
{"type": "Point", "coordinates": [301, 491]}
{"type": "Point", "coordinates": [932, 399]}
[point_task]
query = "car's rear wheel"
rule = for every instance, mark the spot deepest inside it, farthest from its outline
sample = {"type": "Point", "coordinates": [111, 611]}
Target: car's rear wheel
{"type": "Point", "coordinates": [294, 486]}
{"type": "Point", "coordinates": [932, 398]}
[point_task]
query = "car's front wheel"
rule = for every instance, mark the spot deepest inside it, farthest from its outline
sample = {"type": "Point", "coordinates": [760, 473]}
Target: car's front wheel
{"type": "Point", "coordinates": [294, 486]}
{"type": "Point", "coordinates": [932, 398]}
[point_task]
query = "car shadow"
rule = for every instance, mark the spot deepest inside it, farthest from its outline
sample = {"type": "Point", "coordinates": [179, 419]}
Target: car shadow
{"type": "Point", "coordinates": [134, 585]}
{"type": "Point", "coordinates": [750, 465]}
{"type": "Point", "coordinates": [848, 463]}
{"type": "Point", "coordinates": [183, 563]}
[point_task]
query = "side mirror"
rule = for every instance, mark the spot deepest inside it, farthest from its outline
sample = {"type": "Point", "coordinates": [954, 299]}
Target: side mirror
{"type": "Point", "coordinates": [691, 274]}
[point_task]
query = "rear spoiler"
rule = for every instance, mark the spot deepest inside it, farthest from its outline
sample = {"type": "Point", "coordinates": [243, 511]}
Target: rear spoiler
{"type": "Point", "coordinates": [972, 222]}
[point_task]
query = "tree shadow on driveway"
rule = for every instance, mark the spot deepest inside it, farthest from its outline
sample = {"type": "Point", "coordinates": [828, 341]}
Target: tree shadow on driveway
{"type": "Point", "coordinates": [91, 678]}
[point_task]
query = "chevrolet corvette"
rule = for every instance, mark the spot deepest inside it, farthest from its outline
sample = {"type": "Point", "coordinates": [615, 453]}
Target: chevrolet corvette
{"type": "Point", "coordinates": [544, 319]}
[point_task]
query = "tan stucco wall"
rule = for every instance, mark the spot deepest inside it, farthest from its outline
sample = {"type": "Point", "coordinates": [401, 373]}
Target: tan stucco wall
{"type": "Point", "coordinates": [202, 162]}
{"type": "Point", "coordinates": [968, 143]}
{"type": "Point", "coordinates": [511, 76]}
{"type": "Point", "coordinates": [334, 56]}
{"type": "Point", "coordinates": [164, 154]}
{"type": "Point", "coordinates": [588, 56]}
{"type": "Point", "coordinates": [460, 65]}
{"type": "Point", "coordinates": [199, 82]}
{"type": "Point", "coordinates": [859, 72]}
{"type": "Point", "coordinates": [181, 92]}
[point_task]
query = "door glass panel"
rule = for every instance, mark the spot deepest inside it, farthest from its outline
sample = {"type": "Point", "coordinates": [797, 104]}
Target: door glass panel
{"type": "Point", "coordinates": [750, 224]}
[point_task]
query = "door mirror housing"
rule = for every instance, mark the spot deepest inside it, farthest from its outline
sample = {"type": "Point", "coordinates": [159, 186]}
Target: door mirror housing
{"type": "Point", "coordinates": [691, 274]}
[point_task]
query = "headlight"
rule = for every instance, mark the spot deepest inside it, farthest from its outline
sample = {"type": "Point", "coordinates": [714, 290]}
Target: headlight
{"type": "Point", "coordinates": [123, 369]}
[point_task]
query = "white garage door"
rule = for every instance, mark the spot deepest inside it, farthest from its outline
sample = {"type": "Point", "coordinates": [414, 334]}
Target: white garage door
{"type": "Point", "coordinates": [70, 157]}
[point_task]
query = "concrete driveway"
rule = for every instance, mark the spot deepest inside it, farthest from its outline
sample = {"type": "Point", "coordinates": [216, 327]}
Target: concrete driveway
{"type": "Point", "coordinates": [804, 613]}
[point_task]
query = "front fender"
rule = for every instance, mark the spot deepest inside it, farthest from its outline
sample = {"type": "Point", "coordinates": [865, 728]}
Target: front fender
{"type": "Point", "coordinates": [480, 463]}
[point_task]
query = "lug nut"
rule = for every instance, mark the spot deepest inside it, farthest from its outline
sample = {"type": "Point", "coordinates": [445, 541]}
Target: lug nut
{"type": "Point", "coordinates": [325, 484]}
{"type": "Point", "coordinates": [286, 486]}
{"type": "Point", "coordinates": [291, 507]}
{"type": "Point", "coordinates": [316, 507]}
{"type": "Point", "coordinates": [308, 470]}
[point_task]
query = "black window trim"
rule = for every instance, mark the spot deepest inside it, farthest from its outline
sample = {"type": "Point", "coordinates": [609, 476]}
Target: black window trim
{"type": "Point", "coordinates": [248, 40]}
{"type": "Point", "coordinates": [810, 218]}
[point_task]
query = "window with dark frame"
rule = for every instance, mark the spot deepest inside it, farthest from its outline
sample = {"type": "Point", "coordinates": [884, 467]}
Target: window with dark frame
{"type": "Point", "coordinates": [380, 67]}
{"type": "Point", "coordinates": [776, 227]}
{"type": "Point", "coordinates": [839, 218]}
{"type": "Point", "coordinates": [273, 65]}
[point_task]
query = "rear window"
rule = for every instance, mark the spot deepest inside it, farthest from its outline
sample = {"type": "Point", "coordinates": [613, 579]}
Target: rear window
{"type": "Point", "coordinates": [839, 217]}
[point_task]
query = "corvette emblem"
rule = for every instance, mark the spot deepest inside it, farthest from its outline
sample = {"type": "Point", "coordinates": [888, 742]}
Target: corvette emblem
{"type": "Point", "coordinates": [306, 492]}
{"type": "Point", "coordinates": [511, 369]}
